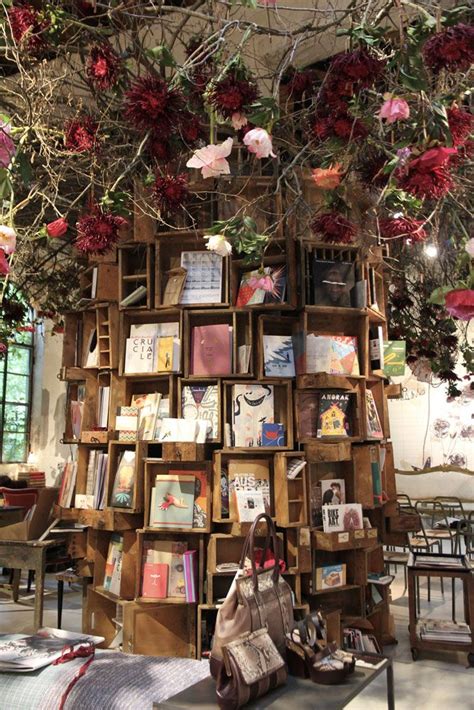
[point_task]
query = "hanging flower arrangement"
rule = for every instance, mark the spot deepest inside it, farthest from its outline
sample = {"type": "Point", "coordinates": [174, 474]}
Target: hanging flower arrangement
{"type": "Point", "coordinates": [170, 192]}
{"type": "Point", "coordinates": [407, 228]}
{"type": "Point", "coordinates": [233, 94]}
{"type": "Point", "coordinates": [451, 49]}
{"type": "Point", "coordinates": [103, 67]}
{"type": "Point", "coordinates": [334, 228]}
{"type": "Point", "coordinates": [80, 135]}
{"type": "Point", "coordinates": [98, 231]}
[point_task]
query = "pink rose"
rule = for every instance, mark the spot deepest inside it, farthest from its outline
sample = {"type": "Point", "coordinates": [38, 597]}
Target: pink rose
{"type": "Point", "coordinates": [460, 303]}
{"type": "Point", "coordinates": [258, 141]}
{"type": "Point", "coordinates": [211, 160]}
{"type": "Point", "coordinates": [7, 146]}
{"type": "Point", "coordinates": [239, 120]}
{"type": "Point", "coordinates": [58, 228]}
{"type": "Point", "coordinates": [394, 110]}
{"type": "Point", "coordinates": [7, 239]}
{"type": "Point", "coordinates": [4, 265]}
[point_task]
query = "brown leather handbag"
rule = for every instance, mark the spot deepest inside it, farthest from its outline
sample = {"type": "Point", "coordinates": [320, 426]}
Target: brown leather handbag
{"type": "Point", "coordinates": [252, 667]}
{"type": "Point", "coordinates": [260, 600]}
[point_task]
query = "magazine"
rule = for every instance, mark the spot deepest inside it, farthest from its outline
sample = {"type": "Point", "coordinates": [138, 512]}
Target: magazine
{"type": "Point", "coordinates": [33, 652]}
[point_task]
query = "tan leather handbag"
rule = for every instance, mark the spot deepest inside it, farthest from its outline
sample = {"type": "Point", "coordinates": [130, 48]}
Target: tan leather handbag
{"type": "Point", "coordinates": [252, 667]}
{"type": "Point", "coordinates": [260, 600]}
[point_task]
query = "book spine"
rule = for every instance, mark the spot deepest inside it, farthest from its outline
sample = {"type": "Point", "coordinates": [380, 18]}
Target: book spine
{"type": "Point", "coordinates": [189, 576]}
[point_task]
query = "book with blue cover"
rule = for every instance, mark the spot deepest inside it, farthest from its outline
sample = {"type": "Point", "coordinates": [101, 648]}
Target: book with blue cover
{"type": "Point", "coordinates": [273, 434]}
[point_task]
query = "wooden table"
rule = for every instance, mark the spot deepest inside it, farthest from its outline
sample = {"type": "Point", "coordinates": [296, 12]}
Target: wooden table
{"type": "Point", "coordinates": [296, 694]}
{"type": "Point", "coordinates": [27, 555]}
{"type": "Point", "coordinates": [10, 514]}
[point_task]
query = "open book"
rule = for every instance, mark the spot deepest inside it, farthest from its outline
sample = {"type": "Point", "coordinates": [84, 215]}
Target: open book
{"type": "Point", "coordinates": [33, 652]}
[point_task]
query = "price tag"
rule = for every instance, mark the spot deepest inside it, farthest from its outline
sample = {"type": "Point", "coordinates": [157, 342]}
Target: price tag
{"type": "Point", "coordinates": [358, 534]}
{"type": "Point", "coordinates": [343, 537]}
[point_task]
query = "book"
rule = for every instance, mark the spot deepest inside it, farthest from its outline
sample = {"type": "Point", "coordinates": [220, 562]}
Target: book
{"type": "Point", "coordinates": [243, 358]}
{"type": "Point", "coordinates": [342, 518]}
{"type": "Point", "coordinates": [91, 355]}
{"type": "Point", "coordinates": [202, 402]}
{"type": "Point", "coordinates": [200, 509]}
{"type": "Point", "coordinates": [203, 284]}
{"type": "Point", "coordinates": [155, 330]}
{"type": "Point", "coordinates": [211, 350]}
{"type": "Point", "coordinates": [334, 414]}
{"type": "Point", "coordinates": [376, 472]}
{"type": "Point", "coordinates": [251, 290]}
{"type": "Point", "coordinates": [103, 407]}
{"type": "Point", "coordinates": [113, 564]}
{"type": "Point", "coordinates": [174, 286]}
{"type": "Point", "coordinates": [155, 580]}
{"type": "Point", "coordinates": [249, 504]}
{"type": "Point", "coordinates": [278, 356]}
{"type": "Point", "coordinates": [171, 553]}
{"type": "Point", "coordinates": [140, 355]}
{"type": "Point", "coordinates": [122, 491]}
{"type": "Point", "coordinates": [137, 295]}
{"type": "Point", "coordinates": [293, 467]}
{"type": "Point", "coordinates": [333, 282]}
{"type": "Point", "coordinates": [374, 427]}
{"type": "Point", "coordinates": [381, 579]}
{"type": "Point", "coordinates": [307, 408]}
{"type": "Point", "coordinates": [68, 483]}
{"type": "Point", "coordinates": [333, 491]}
{"type": "Point", "coordinates": [273, 434]}
{"type": "Point", "coordinates": [174, 501]}
{"type": "Point", "coordinates": [165, 350]}
{"type": "Point", "coordinates": [330, 576]}
{"type": "Point", "coordinates": [252, 406]}
{"type": "Point", "coordinates": [148, 406]}
{"type": "Point", "coordinates": [23, 655]}
{"type": "Point", "coordinates": [334, 354]}
{"type": "Point", "coordinates": [190, 573]}
{"type": "Point", "coordinates": [394, 354]}
{"type": "Point", "coordinates": [248, 476]}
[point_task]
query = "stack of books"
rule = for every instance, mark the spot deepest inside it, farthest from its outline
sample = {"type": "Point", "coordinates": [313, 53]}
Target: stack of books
{"type": "Point", "coordinates": [153, 347]}
{"type": "Point", "coordinates": [113, 565]}
{"type": "Point", "coordinates": [36, 479]}
{"type": "Point", "coordinates": [68, 483]}
{"type": "Point", "coordinates": [94, 497]}
{"type": "Point", "coordinates": [438, 630]}
{"type": "Point", "coordinates": [169, 570]}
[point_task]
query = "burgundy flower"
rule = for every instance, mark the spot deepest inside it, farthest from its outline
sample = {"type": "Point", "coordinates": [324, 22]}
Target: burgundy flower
{"type": "Point", "coordinates": [460, 303]}
{"type": "Point", "coordinates": [170, 192]}
{"type": "Point", "coordinates": [28, 28]}
{"type": "Point", "coordinates": [191, 129]}
{"type": "Point", "coordinates": [81, 135]}
{"type": "Point", "coordinates": [58, 228]}
{"type": "Point", "coordinates": [460, 125]}
{"type": "Point", "coordinates": [450, 341]}
{"type": "Point", "coordinates": [371, 168]}
{"type": "Point", "coordinates": [452, 49]}
{"type": "Point", "coordinates": [358, 66]}
{"type": "Point", "coordinates": [150, 104]}
{"type": "Point", "coordinates": [232, 95]}
{"type": "Point", "coordinates": [97, 232]}
{"type": "Point", "coordinates": [299, 83]}
{"type": "Point", "coordinates": [160, 148]}
{"type": "Point", "coordinates": [103, 66]}
{"type": "Point", "coordinates": [433, 158]}
{"type": "Point", "coordinates": [432, 184]}
{"type": "Point", "coordinates": [403, 227]}
{"type": "Point", "coordinates": [349, 128]}
{"type": "Point", "coordinates": [334, 228]}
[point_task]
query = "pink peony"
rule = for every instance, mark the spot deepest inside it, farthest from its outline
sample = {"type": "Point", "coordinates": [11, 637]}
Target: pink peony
{"type": "Point", "coordinates": [7, 146]}
{"type": "Point", "coordinates": [7, 239]}
{"type": "Point", "coordinates": [394, 110]}
{"type": "Point", "coordinates": [258, 141]}
{"type": "Point", "coordinates": [4, 266]}
{"type": "Point", "coordinates": [211, 160]}
{"type": "Point", "coordinates": [460, 303]}
{"type": "Point", "coordinates": [239, 120]}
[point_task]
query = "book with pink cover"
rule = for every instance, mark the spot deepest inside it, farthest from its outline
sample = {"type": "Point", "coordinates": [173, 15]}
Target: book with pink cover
{"type": "Point", "coordinates": [190, 569]}
{"type": "Point", "coordinates": [211, 352]}
{"type": "Point", "coordinates": [155, 580]}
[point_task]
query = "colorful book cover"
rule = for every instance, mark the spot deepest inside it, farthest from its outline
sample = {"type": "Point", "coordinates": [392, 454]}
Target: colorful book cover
{"type": "Point", "coordinates": [122, 491]}
{"type": "Point", "coordinates": [170, 553]}
{"type": "Point", "coordinates": [174, 501]}
{"type": "Point", "coordinates": [211, 350]}
{"type": "Point", "coordinates": [165, 354]}
{"type": "Point", "coordinates": [333, 491]}
{"type": "Point", "coordinates": [333, 282]}
{"type": "Point", "coordinates": [252, 406]}
{"type": "Point", "coordinates": [376, 474]}
{"type": "Point", "coordinates": [200, 511]}
{"type": "Point", "coordinates": [140, 355]}
{"type": "Point", "coordinates": [333, 418]}
{"type": "Point", "coordinates": [277, 293]}
{"type": "Point", "coordinates": [113, 553]}
{"type": "Point", "coordinates": [374, 427]}
{"type": "Point", "coordinates": [330, 576]}
{"type": "Point", "coordinates": [307, 407]}
{"type": "Point", "coordinates": [248, 476]}
{"type": "Point", "coordinates": [273, 434]}
{"type": "Point", "coordinates": [278, 356]}
{"type": "Point", "coordinates": [394, 354]}
{"type": "Point", "coordinates": [190, 573]}
{"type": "Point", "coordinates": [342, 518]}
{"type": "Point", "coordinates": [155, 580]}
{"type": "Point", "coordinates": [252, 287]}
{"type": "Point", "coordinates": [334, 354]}
{"type": "Point", "coordinates": [202, 402]}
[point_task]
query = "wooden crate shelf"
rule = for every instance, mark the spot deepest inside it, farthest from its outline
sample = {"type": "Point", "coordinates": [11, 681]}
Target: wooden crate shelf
{"type": "Point", "coordinates": [136, 264]}
{"type": "Point", "coordinates": [291, 506]}
{"type": "Point", "coordinates": [137, 317]}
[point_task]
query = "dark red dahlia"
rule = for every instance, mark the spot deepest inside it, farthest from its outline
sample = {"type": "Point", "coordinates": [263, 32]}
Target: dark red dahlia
{"type": "Point", "coordinates": [232, 95]}
{"type": "Point", "coordinates": [432, 184]}
{"type": "Point", "coordinates": [150, 104]}
{"type": "Point", "coordinates": [160, 148]}
{"type": "Point", "coordinates": [81, 135]}
{"type": "Point", "coordinates": [370, 169]}
{"type": "Point", "coordinates": [97, 232]}
{"type": "Point", "coordinates": [299, 83]}
{"type": "Point", "coordinates": [348, 128]}
{"type": "Point", "coordinates": [170, 192]}
{"type": "Point", "coordinates": [460, 125]}
{"type": "Point", "coordinates": [358, 66]}
{"type": "Point", "coordinates": [103, 66]}
{"type": "Point", "coordinates": [334, 228]}
{"type": "Point", "coordinates": [191, 129]}
{"type": "Point", "coordinates": [403, 227]}
{"type": "Point", "coordinates": [451, 49]}
{"type": "Point", "coordinates": [28, 29]}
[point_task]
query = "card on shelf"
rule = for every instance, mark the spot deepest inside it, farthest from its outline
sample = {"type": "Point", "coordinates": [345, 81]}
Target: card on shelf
{"type": "Point", "coordinates": [249, 505]}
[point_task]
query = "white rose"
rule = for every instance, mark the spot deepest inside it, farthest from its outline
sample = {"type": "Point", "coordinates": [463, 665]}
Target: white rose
{"type": "Point", "coordinates": [219, 244]}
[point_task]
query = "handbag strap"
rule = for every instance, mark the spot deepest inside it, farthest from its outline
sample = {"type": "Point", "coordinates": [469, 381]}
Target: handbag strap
{"type": "Point", "coordinates": [249, 546]}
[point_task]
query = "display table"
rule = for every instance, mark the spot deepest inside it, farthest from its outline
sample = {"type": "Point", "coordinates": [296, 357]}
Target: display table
{"type": "Point", "coordinates": [297, 693]}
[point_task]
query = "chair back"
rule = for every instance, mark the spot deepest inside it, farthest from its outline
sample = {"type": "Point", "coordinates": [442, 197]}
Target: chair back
{"type": "Point", "coordinates": [24, 497]}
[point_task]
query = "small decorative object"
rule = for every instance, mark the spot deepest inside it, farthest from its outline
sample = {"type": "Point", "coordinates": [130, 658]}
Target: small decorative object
{"type": "Point", "coordinates": [330, 576]}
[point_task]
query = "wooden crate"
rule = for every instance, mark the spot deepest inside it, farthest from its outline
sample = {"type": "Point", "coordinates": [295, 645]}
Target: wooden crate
{"type": "Point", "coordinates": [72, 341]}
{"type": "Point", "coordinates": [376, 386]}
{"type": "Point", "coordinates": [298, 549]}
{"type": "Point", "coordinates": [108, 335]}
{"type": "Point", "coordinates": [129, 563]}
{"type": "Point", "coordinates": [98, 617]}
{"type": "Point", "coordinates": [203, 413]}
{"type": "Point", "coordinates": [362, 488]}
{"type": "Point", "coordinates": [107, 519]}
{"type": "Point", "coordinates": [321, 451]}
{"type": "Point", "coordinates": [283, 410]}
{"type": "Point", "coordinates": [349, 599]}
{"type": "Point", "coordinates": [128, 318]}
{"type": "Point", "coordinates": [242, 334]}
{"type": "Point", "coordinates": [344, 540]}
{"type": "Point", "coordinates": [157, 629]}
{"type": "Point", "coordinates": [89, 332]}
{"type": "Point", "coordinates": [123, 388]}
{"type": "Point", "coordinates": [136, 264]}
{"type": "Point", "coordinates": [270, 325]}
{"type": "Point", "coordinates": [254, 196]}
{"type": "Point", "coordinates": [310, 250]}
{"type": "Point", "coordinates": [99, 282]}
{"type": "Point", "coordinates": [291, 506]}
{"type": "Point", "coordinates": [89, 413]}
{"type": "Point", "coordinates": [310, 398]}
{"type": "Point", "coordinates": [116, 449]}
{"type": "Point", "coordinates": [206, 623]}
{"type": "Point", "coordinates": [223, 548]}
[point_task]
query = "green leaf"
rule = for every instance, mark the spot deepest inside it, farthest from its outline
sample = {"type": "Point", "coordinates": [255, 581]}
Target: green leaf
{"type": "Point", "coordinates": [162, 54]}
{"type": "Point", "coordinates": [438, 296]}
{"type": "Point", "coordinates": [415, 83]}
{"type": "Point", "coordinates": [24, 167]}
{"type": "Point", "coordinates": [5, 184]}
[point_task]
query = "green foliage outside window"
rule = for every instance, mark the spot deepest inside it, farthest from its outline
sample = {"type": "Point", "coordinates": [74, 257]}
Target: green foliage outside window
{"type": "Point", "coordinates": [15, 398]}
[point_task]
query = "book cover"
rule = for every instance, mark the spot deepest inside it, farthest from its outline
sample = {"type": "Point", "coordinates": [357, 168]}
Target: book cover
{"type": "Point", "coordinates": [273, 434]}
{"type": "Point", "coordinates": [330, 576]}
{"type": "Point", "coordinates": [334, 354]}
{"type": "Point", "coordinates": [394, 354]}
{"type": "Point", "coordinates": [333, 417]}
{"type": "Point", "coordinates": [91, 357]}
{"type": "Point", "coordinates": [333, 282]}
{"type": "Point", "coordinates": [174, 286]}
{"type": "Point", "coordinates": [248, 476]}
{"type": "Point", "coordinates": [113, 553]}
{"type": "Point", "coordinates": [342, 518]}
{"type": "Point", "coordinates": [155, 580]}
{"type": "Point", "coordinates": [277, 292]}
{"type": "Point", "coordinates": [168, 552]}
{"type": "Point", "coordinates": [307, 407]}
{"type": "Point", "coordinates": [376, 472]}
{"type": "Point", "coordinates": [174, 501]}
{"type": "Point", "coordinates": [122, 491]}
{"type": "Point", "coordinates": [333, 491]}
{"type": "Point", "coordinates": [204, 272]}
{"type": "Point", "coordinates": [46, 646]}
{"type": "Point", "coordinates": [211, 351]}
{"type": "Point", "coordinates": [165, 354]}
{"type": "Point", "coordinates": [140, 355]}
{"type": "Point", "coordinates": [252, 287]}
{"type": "Point", "coordinates": [278, 356]}
{"type": "Point", "coordinates": [249, 504]}
{"type": "Point", "coordinates": [148, 408]}
{"type": "Point", "coordinates": [252, 406]}
{"type": "Point", "coordinates": [202, 402]}
{"type": "Point", "coordinates": [200, 511]}
{"type": "Point", "coordinates": [374, 427]}
{"type": "Point", "coordinates": [190, 574]}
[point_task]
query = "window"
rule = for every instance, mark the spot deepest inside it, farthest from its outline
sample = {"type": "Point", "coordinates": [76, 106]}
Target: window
{"type": "Point", "coordinates": [16, 368]}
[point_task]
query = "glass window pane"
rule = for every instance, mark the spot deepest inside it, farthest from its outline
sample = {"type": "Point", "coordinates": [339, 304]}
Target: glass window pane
{"type": "Point", "coordinates": [18, 360]}
{"type": "Point", "coordinates": [18, 387]}
{"type": "Point", "coordinates": [14, 447]}
{"type": "Point", "coordinates": [1, 390]}
{"type": "Point", "coordinates": [15, 418]}
{"type": "Point", "coordinates": [24, 337]}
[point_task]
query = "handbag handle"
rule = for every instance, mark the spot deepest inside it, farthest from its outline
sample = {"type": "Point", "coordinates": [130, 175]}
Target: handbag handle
{"type": "Point", "coordinates": [249, 544]}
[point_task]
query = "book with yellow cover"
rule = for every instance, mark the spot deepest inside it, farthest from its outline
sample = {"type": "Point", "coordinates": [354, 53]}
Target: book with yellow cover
{"type": "Point", "coordinates": [165, 354]}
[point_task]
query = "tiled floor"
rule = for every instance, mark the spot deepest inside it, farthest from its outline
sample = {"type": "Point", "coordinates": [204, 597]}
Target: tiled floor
{"type": "Point", "coordinates": [434, 681]}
